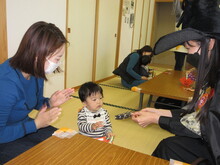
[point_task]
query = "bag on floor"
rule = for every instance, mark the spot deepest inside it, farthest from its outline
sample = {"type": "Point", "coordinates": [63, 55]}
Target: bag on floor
{"type": "Point", "coordinates": [167, 103]}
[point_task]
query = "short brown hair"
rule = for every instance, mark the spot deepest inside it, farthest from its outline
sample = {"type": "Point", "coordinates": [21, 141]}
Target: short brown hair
{"type": "Point", "coordinates": [40, 40]}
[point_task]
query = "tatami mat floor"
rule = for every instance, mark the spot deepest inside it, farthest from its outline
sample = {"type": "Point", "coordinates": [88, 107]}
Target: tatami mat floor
{"type": "Point", "coordinates": [127, 133]}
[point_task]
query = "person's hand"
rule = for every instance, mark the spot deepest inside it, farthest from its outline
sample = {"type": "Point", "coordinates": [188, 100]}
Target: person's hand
{"type": "Point", "coordinates": [144, 78]}
{"type": "Point", "coordinates": [96, 125]}
{"type": "Point", "coordinates": [160, 112]}
{"type": "Point", "coordinates": [109, 135]}
{"type": "Point", "coordinates": [138, 113]}
{"type": "Point", "coordinates": [45, 117]}
{"type": "Point", "coordinates": [148, 109]}
{"type": "Point", "coordinates": [145, 118]}
{"type": "Point", "coordinates": [60, 97]}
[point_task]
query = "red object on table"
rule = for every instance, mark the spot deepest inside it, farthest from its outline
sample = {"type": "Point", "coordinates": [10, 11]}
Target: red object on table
{"type": "Point", "coordinates": [186, 82]}
{"type": "Point", "coordinates": [104, 139]}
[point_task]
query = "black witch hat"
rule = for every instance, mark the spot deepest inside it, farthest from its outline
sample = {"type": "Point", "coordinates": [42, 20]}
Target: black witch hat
{"type": "Point", "coordinates": [200, 18]}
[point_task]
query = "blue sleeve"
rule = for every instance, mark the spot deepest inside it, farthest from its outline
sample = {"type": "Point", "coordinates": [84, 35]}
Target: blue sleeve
{"type": "Point", "coordinates": [131, 64]}
{"type": "Point", "coordinates": [12, 128]}
{"type": "Point", "coordinates": [41, 100]}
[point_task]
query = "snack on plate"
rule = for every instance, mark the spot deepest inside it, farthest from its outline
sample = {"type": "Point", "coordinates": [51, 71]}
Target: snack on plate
{"type": "Point", "coordinates": [64, 133]}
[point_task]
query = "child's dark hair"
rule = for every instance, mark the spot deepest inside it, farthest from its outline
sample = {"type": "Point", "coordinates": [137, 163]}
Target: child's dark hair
{"type": "Point", "coordinates": [89, 88]}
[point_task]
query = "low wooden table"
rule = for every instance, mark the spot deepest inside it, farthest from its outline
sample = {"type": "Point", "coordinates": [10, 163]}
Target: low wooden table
{"type": "Point", "coordinates": [82, 150]}
{"type": "Point", "coordinates": [166, 84]}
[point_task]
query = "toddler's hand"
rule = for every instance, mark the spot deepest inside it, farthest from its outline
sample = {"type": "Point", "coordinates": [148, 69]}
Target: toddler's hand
{"type": "Point", "coordinates": [109, 135]}
{"type": "Point", "coordinates": [97, 125]}
{"type": "Point", "coordinates": [144, 78]}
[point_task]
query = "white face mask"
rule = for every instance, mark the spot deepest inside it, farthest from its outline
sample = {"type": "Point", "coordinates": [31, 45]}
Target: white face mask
{"type": "Point", "coordinates": [51, 67]}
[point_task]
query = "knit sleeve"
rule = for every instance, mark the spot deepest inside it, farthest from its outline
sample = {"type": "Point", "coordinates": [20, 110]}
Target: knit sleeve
{"type": "Point", "coordinates": [108, 125]}
{"type": "Point", "coordinates": [12, 126]}
{"type": "Point", "coordinates": [82, 123]}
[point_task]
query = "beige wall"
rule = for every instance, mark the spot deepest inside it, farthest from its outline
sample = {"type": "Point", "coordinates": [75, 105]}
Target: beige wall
{"type": "Point", "coordinates": [107, 38]}
{"type": "Point", "coordinates": [150, 23]}
{"type": "Point", "coordinates": [84, 38]}
{"type": "Point", "coordinates": [79, 60]}
{"type": "Point", "coordinates": [21, 14]}
{"type": "Point", "coordinates": [164, 24]}
{"type": "Point", "coordinates": [140, 34]}
{"type": "Point", "coordinates": [137, 24]}
{"type": "Point", "coordinates": [93, 40]}
{"type": "Point", "coordinates": [145, 23]}
{"type": "Point", "coordinates": [89, 59]}
{"type": "Point", "coordinates": [127, 29]}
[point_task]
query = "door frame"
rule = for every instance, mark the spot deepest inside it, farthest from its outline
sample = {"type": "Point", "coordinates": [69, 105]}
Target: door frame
{"type": "Point", "coordinates": [3, 32]}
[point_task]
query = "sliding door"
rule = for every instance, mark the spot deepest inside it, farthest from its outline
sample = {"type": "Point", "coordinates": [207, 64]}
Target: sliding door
{"type": "Point", "coordinates": [81, 25]}
{"type": "Point", "coordinates": [106, 37]}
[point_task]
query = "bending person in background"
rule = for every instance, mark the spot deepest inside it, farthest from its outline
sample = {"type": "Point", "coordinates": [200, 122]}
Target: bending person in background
{"type": "Point", "coordinates": [132, 70]}
{"type": "Point", "coordinates": [21, 90]}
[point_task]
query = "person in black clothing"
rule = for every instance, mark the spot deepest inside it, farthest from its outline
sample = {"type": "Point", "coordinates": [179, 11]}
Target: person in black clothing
{"type": "Point", "coordinates": [179, 58]}
{"type": "Point", "coordinates": [197, 125]}
{"type": "Point", "coordinates": [132, 70]}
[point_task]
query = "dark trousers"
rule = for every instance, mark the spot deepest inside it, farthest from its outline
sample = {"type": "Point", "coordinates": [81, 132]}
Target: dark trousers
{"type": "Point", "coordinates": [179, 58]}
{"type": "Point", "coordinates": [12, 149]}
{"type": "Point", "coordinates": [185, 149]}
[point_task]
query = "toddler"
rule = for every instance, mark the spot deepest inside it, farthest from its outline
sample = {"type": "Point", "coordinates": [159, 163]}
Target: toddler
{"type": "Point", "coordinates": [93, 120]}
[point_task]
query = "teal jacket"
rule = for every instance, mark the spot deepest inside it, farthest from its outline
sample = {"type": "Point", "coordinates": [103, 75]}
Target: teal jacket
{"type": "Point", "coordinates": [17, 100]}
{"type": "Point", "coordinates": [130, 69]}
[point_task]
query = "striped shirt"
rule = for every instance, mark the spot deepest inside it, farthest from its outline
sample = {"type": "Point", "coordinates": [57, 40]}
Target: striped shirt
{"type": "Point", "coordinates": [86, 118]}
